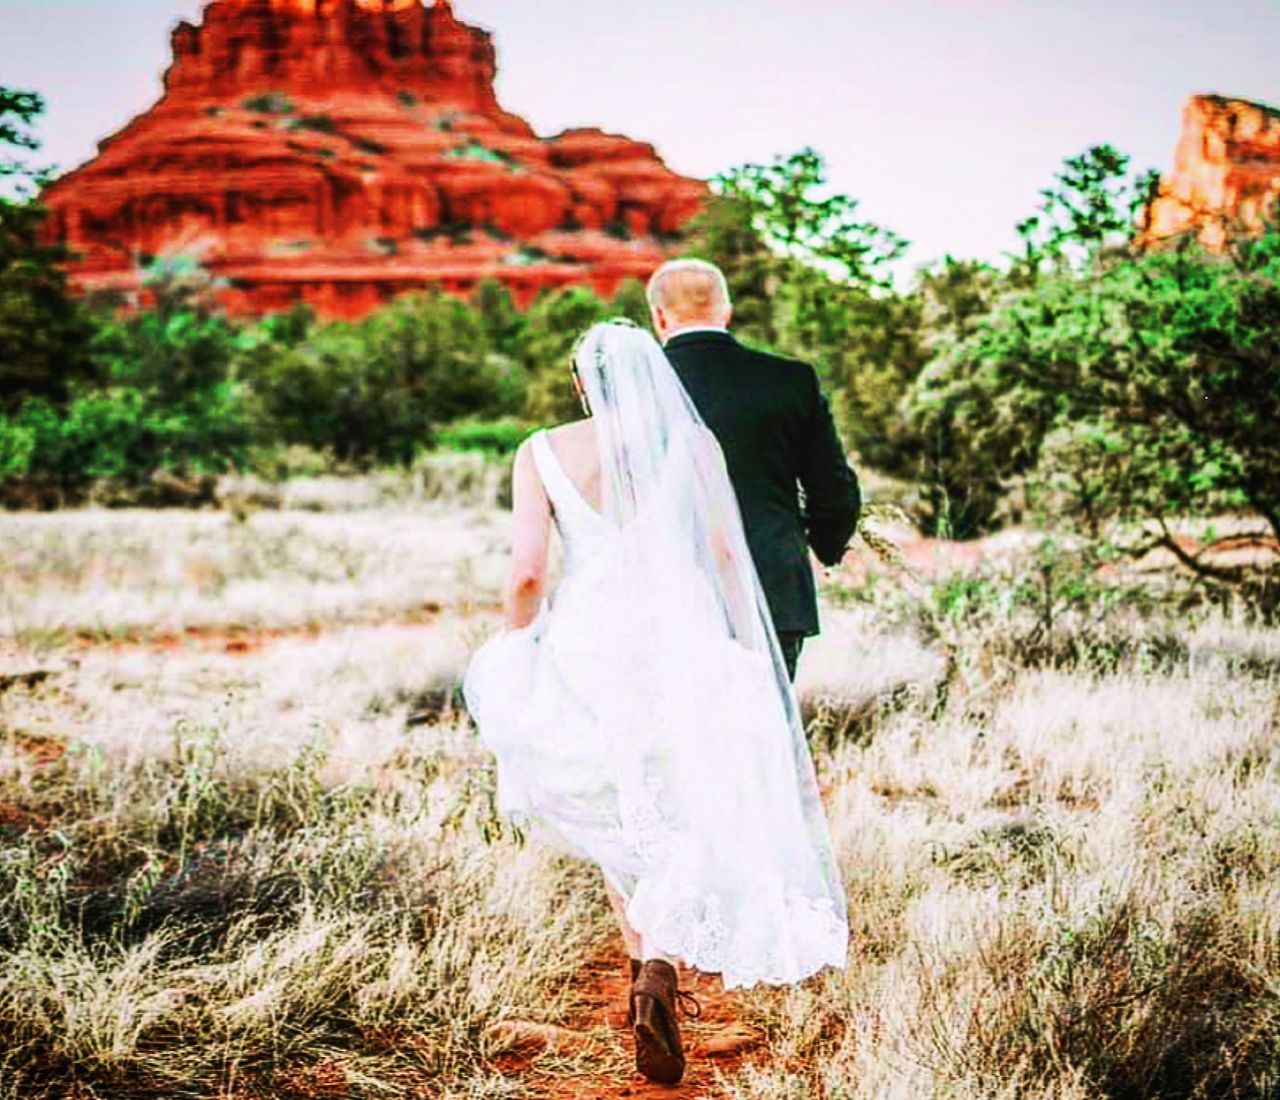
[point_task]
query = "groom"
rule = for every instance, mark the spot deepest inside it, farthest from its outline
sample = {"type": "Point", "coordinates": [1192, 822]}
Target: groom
{"type": "Point", "coordinates": [794, 484]}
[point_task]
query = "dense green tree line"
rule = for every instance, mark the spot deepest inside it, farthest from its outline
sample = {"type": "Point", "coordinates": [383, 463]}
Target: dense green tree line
{"type": "Point", "coordinates": [1107, 382]}
{"type": "Point", "coordinates": [182, 388]}
{"type": "Point", "coordinates": [1102, 381]}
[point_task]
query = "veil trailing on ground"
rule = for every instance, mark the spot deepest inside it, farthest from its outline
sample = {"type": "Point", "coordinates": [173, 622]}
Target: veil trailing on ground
{"type": "Point", "coordinates": [658, 733]}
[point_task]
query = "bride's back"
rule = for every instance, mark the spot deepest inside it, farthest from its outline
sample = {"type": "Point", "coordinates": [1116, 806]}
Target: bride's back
{"type": "Point", "coordinates": [576, 448]}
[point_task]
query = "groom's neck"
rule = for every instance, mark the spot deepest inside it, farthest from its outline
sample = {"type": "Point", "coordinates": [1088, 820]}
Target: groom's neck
{"type": "Point", "coordinates": [686, 330]}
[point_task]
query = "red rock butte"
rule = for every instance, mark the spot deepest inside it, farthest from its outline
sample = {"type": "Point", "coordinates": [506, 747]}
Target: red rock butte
{"type": "Point", "coordinates": [1226, 175]}
{"type": "Point", "coordinates": [338, 152]}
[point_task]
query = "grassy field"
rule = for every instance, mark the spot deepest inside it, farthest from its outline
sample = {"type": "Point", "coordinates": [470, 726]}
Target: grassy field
{"type": "Point", "coordinates": [248, 847]}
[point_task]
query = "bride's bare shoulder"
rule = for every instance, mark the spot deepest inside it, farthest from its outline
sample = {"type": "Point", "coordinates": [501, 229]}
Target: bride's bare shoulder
{"type": "Point", "coordinates": [583, 424]}
{"type": "Point", "coordinates": [573, 433]}
{"type": "Point", "coordinates": [567, 432]}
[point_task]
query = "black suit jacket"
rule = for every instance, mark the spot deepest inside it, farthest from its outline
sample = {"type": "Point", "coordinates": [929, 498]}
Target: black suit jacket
{"type": "Point", "coordinates": [793, 481]}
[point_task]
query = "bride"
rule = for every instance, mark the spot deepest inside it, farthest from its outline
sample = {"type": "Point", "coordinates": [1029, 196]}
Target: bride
{"type": "Point", "coordinates": [644, 720]}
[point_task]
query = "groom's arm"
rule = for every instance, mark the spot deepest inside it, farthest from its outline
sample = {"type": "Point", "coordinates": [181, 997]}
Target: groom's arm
{"type": "Point", "coordinates": [832, 497]}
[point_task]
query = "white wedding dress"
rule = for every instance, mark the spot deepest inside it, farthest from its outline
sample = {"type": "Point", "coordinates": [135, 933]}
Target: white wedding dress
{"type": "Point", "coordinates": [644, 720]}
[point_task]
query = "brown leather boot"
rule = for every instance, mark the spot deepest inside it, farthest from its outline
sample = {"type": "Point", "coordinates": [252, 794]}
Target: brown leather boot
{"type": "Point", "coordinates": [659, 1055]}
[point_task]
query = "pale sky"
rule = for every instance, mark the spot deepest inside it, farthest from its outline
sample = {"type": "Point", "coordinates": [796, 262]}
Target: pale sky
{"type": "Point", "coordinates": [945, 117]}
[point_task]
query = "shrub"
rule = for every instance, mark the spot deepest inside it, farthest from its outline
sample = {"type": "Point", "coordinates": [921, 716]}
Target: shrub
{"type": "Point", "coordinates": [118, 434]}
{"type": "Point", "coordinates": [457, 230]}
{"type": "Point", "coordinates": [17, 446]}
{"type": "Point", "coordinates": [270, 103]}
{"type": "Point", "coordinates": [494, 437]}
{"type": "Point", "coordinates": [45, 334]}
{"type": "Point", "coordinates": [1162, 370]}
{"type": "Point", "coordinates": [377, 391]}
{"type": "Point", "coordinates": [320, 123]}
{"type": "Point", "coordinates": [552, 327]}
{"type": "Point", "coordinates": [474, 150]}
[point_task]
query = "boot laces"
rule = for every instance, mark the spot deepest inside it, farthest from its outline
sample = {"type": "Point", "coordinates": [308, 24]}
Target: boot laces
{"type": "Point", "coordinates": [688, 1004]}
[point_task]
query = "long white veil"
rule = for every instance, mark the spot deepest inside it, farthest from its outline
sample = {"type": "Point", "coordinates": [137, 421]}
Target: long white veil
{"type": "Point", "coordinates": [683, 554]}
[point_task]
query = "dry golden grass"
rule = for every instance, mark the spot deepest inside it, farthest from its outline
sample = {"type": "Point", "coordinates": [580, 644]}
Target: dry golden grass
{"type": "Point", "coordinates": [109, 574]}
{"type": "Point", "coordinates": [238, 867]}
{"type": "Point", "coordinates": [277, 873]}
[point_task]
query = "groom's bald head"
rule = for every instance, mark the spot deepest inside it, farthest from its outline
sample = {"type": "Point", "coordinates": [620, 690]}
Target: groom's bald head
{"type": "Point", "coordinates": [688, 294]}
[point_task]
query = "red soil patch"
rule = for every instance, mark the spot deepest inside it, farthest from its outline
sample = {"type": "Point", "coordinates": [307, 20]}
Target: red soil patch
{"type": "Point", "coordinates": [921, 559]}
{"type": "Point", "coordinates": [13, 816]}
{"type": "Point", "coordinates": [927, 559]}
{"type": "Point", "coordinates": [44, 751]}
{"type": "Point", "coordinates": [244, 641]}
{"type": "Point", "coordinates": [716, 1044]}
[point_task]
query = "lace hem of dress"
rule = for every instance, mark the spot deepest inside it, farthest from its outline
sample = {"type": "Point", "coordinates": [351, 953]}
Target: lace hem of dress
{"type": "Point", "coordinates": [810, 938]}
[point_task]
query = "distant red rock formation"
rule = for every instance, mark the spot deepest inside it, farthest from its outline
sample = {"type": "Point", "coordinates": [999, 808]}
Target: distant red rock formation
{"type": "Point", "coordinates": [336, 152]}
{"type": "Point", "coordinates": [1226, 173]}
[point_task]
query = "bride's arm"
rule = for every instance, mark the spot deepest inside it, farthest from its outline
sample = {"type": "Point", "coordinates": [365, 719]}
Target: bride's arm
{"type": "Point", "coordinates": [531, 515]}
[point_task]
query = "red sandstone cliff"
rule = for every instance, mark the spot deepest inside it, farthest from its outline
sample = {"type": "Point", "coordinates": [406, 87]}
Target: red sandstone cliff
{"type": "Point", "coordinates": [340, 151]}
{"type": "Point", "coordinates": [1226, 172]}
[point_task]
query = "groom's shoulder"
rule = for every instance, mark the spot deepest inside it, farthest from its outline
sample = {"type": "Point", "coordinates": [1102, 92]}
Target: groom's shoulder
{"type": "Point", "coordinates": [728, 352]}
{"type": "Point", "coordinates": [784, 367]}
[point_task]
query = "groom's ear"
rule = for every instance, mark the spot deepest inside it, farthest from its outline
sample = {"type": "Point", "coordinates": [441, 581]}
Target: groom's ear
{"type": "Point", "coordinates": [659, 317]}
